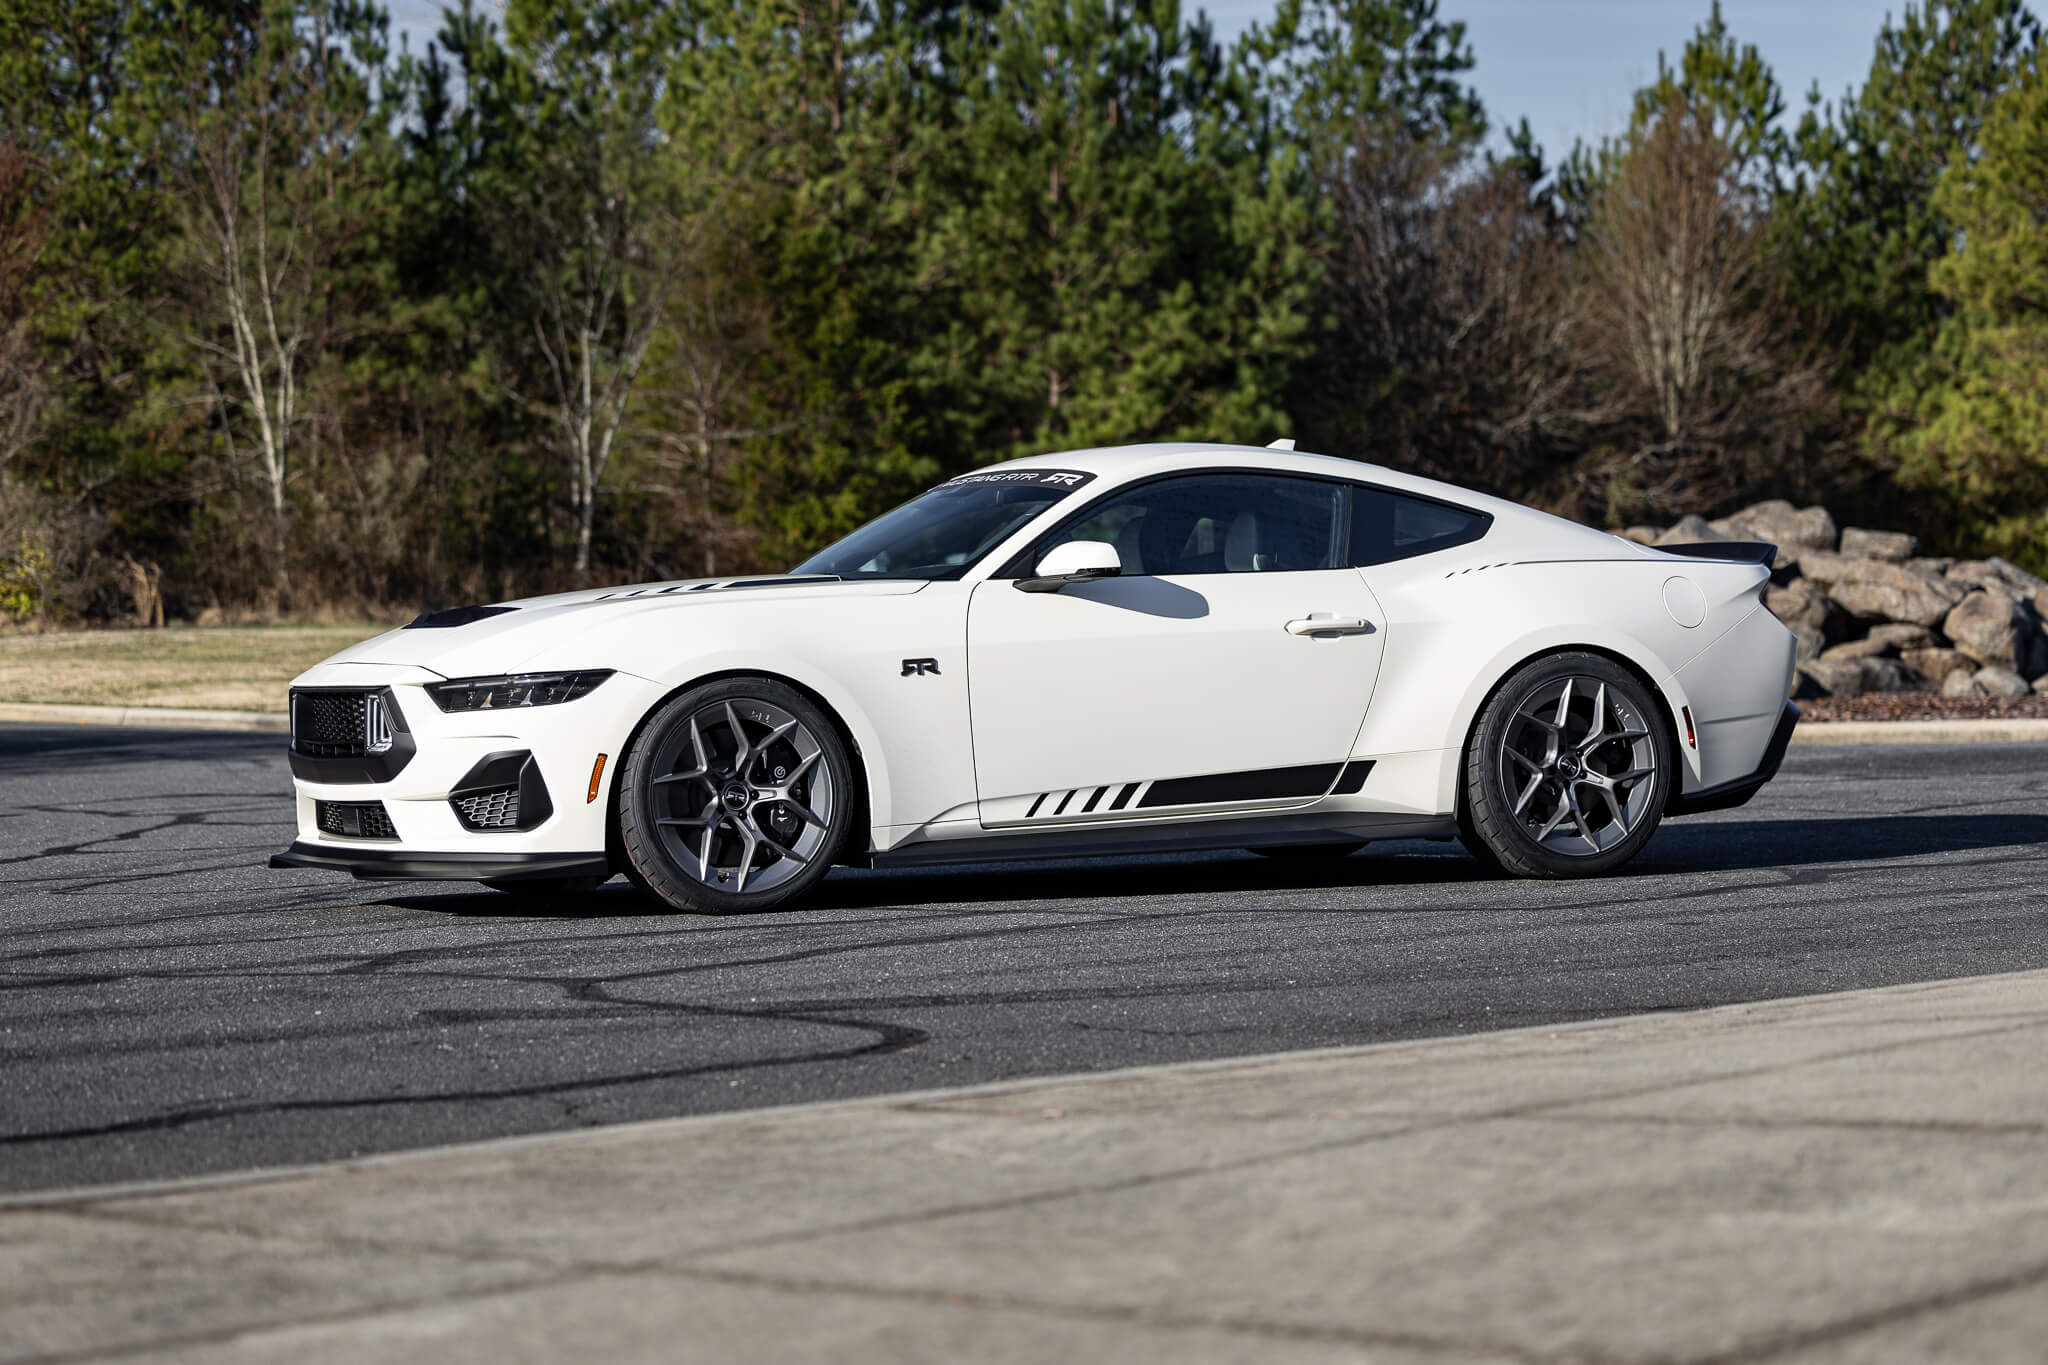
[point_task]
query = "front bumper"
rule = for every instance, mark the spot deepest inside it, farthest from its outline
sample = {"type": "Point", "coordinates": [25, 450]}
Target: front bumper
{"type": "Point", "coordinates": [426, 827]}
{"type": "Point", "coordinates": [1728, 795]}
{"type": "Point", "coordinates": [398, 864]}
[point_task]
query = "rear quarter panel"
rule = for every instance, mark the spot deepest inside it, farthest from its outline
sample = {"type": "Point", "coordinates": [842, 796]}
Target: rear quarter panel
{"type": "Point", "coordinates": [1455, 630]}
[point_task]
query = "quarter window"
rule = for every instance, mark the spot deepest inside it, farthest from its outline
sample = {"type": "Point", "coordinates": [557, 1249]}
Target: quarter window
{"type": "Point", "coordinates": [1389, 526]}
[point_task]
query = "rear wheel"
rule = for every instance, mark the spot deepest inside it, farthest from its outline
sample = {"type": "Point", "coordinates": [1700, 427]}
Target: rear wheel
{"type": "Point", "coordinates": [738, 796]}
{"type": "Point", "coordinates": [1568, 771]}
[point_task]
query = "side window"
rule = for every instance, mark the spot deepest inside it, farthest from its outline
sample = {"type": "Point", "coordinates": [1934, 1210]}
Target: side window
{"type": "Point", "coordinates": [1219, 523]}
{"type": "Point", "coordinates": [1389, 526]}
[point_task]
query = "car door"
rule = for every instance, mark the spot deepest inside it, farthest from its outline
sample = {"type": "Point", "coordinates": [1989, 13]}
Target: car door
{"type": "Point", "coordinates": [1228, 667]}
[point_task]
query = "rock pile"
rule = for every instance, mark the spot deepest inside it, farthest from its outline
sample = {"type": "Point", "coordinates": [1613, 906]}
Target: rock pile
{"type": "Point", "coordinates": [1873, 616]}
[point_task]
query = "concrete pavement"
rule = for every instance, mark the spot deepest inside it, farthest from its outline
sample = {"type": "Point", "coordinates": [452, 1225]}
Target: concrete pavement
{"type": "Point", "coordinates": [1850, 1177]}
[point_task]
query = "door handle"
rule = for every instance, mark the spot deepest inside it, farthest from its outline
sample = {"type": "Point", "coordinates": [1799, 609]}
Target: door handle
{"type": "Point", "coordinates": [1329, 623]}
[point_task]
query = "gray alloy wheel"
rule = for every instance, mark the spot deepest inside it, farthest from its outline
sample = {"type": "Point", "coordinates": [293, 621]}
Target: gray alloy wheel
{"type": "Point", "coordinates": [1568, 771]}
{"type": "Point", "coordinates": [737, 796]}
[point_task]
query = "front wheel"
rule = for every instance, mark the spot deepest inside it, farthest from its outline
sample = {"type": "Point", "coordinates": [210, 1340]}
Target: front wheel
{"type": "Point", "coordinates": [1568, 770]}
{"type": "Point", "coordinates": [738, 796]}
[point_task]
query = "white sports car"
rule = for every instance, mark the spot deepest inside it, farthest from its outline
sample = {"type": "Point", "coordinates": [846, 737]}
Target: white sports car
{"type": "Point", "coordinates": [1104, 651]}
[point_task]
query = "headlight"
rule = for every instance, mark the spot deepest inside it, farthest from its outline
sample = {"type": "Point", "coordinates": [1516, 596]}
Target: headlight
{"type": "Point", "coordinates": [517, 689]}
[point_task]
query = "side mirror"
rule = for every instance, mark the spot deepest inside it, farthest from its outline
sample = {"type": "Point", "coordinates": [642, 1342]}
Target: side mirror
{"type": "Point", "coordinates": [1077, 561]}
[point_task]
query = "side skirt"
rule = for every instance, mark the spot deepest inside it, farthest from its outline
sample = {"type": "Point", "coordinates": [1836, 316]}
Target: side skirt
{"type": "Point", "coordinates": [1186, 837]}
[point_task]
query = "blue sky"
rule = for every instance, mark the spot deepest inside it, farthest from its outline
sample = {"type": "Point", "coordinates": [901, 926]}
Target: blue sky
{"type": "Point", "coordinates": [1571, 66]}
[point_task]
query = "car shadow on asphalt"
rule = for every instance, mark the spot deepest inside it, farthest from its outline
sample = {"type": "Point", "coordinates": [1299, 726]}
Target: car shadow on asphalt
{"type": "Point", "coordinates": [1679, 848]}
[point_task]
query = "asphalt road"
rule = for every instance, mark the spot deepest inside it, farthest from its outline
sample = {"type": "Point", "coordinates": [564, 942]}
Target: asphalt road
{"type": "Point", "coordinates": [168, 1006]}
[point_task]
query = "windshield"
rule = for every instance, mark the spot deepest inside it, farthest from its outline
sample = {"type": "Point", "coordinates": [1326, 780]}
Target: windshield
{"type": "Point", "coordinates": [940, 534]}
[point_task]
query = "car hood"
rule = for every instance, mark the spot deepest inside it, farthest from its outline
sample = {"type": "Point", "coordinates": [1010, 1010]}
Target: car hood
{"type": "Point", "coordinates": [500, 637]}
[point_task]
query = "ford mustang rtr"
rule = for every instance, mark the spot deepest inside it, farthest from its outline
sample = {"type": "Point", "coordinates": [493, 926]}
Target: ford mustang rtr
{"type": "Point", "coordinates": [1107, 651]}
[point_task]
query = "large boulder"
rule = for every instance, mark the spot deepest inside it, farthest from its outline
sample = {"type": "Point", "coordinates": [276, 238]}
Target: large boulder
{"type": "Point", "coordinates": [1890, 675]}
{"type": "Point", "coordinates": [1961, 683]}
{"type": "Point", "coordinates": [1894, 547]}
{"type": "Point", "coordinates": [1692, 529]}
{"type": "Point", "coordinates": [1933, 566]}
{"type": "Point", "coordinates": [1996, 573]}
{"type": "Point", "coordinates": [1800, 603]}
{"type": "Point", "coordinates": [1831, 677]}
{"type": "Point", "coordinates": [1811, 641]}
{"type": "Point", "coordinates": [2001, 682]}
{"type": "Point", "coordinates": [1936, 664]}
{"type": "Point", "coordinates": [1869, 647]}
{"type": "Point", "coordinates": [1641, 535]}
{"type": "Point", "coordinates": [1846, 677]}
{"type": "Point", "coordinates": [1997, 629]}
{"type": "Point", "coordinates": [1902, 636]}
{"type": "Point", "coordinates": [1782, 524]}
{"type": "Point", "coordinates": [1877, 591]}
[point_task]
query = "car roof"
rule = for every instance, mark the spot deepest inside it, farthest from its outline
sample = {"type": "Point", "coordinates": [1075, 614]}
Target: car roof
{"type": "Point", "coordinates": [1122, 464]}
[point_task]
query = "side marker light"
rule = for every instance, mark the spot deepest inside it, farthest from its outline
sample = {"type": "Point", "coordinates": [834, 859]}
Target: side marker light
{"type": "Point", "coordinates": [597, 775]}
{"type": "Point", "coordinates": [1691, 742]}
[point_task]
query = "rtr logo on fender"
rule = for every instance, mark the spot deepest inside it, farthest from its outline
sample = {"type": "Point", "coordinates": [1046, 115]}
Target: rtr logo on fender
{"type": "Point", "coordinates": [917, 668]}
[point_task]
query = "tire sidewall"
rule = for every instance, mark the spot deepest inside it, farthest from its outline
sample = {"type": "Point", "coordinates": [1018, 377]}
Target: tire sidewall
{"type": "Point", "coordinates": [646, 857]}
{"type": "Point", "coordinates": [1489, 818]}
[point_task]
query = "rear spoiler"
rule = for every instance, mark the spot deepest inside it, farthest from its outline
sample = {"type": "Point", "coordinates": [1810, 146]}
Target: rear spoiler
{"type": "Point", "coordinates": [1732, 551]}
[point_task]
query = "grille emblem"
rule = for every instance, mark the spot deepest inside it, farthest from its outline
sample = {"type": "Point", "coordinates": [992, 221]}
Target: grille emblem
{"type": "Point", "coordinates": [376, 727]}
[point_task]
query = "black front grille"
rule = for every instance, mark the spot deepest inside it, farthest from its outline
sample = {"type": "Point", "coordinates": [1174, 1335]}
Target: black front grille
{"type": "Point", "coordinates": [330, 724]}
{"type": "Point", "coordinates": [354, 819]}
{"type": "Point", "coordinates": [491, 808]}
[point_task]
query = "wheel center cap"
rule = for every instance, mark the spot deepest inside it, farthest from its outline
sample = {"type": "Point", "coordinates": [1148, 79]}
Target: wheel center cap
{"type": "Point", "coordinates": [1567, 765]}
{"type": "Point", "coordinates": [736, 795]}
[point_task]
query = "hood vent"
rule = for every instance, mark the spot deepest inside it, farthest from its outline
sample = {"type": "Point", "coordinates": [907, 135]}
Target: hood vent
{"type": "Point", "coordinates": [454, 616]}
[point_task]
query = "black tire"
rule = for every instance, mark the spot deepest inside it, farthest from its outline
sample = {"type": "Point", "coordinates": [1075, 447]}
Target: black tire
{"type": "Point", "coordinates": [685, 834]}
{"type": "Point", "coordinates": [1537, 759]}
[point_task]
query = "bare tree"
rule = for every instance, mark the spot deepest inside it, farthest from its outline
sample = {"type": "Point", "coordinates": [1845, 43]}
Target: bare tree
{"type": "Point", "coordinates": [1679, 320]}
{"type": "Point", "coordinates": [24, 232]}
{"type": "Point", "coordinates": [706, 383]}
{"type": "Point", "coordinates": [574, 212]}
{"type": "Point", "coordinates": [270, 116]}
{"type": "Point", "coordinates": [1445, 281]}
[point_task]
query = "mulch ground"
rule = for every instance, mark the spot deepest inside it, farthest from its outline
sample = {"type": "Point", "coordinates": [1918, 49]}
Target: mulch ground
{"type": "Point", "coordinates": [1921, 706]}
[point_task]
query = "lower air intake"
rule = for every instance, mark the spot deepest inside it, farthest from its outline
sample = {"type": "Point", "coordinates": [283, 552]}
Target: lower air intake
{"type": "Point", "coordinates": [354, 819]}
{"type": "Point", "coordinates": [491, 808]}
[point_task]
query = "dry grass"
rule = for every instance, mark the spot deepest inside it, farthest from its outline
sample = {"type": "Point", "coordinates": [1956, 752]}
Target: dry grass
{"type": "Point", "coordinates": [230, 668]}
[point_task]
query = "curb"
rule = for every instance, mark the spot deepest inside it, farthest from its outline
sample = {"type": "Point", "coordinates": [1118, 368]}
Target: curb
{"type": "Point", "coordinates": [154, 717]}
{"type": "Point", "coordinates": [1920, 732]}
{"type": "Point", "coordinates": [1823, 732]}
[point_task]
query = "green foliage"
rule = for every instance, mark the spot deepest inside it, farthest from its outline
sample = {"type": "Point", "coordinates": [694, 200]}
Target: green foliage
{"type": "Point", "coordinates": [24, 577]}
{"type": "Point", "coordinates": [1860, 226]}
{"type": "Point", "coordinates": [1969, 421]}
{"type": "Point", "coordinates": [1726, 86]}
{"type": "Point", "coordinates": [645, 287]}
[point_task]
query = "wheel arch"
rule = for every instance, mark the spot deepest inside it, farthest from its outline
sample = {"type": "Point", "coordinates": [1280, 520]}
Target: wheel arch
{"type": "Point", "coordinates": [858, 829]}
{"type": "Point", "coordinates": [1667, 709]}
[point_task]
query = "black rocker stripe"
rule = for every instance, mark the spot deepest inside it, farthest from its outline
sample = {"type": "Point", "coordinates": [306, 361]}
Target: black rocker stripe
{"type": "Point", "coordinates": [1035, 805]}
{"type": "Point", "coordinates": [1123, 798]}
{"type": "Point", "coordinates": [1065, 801]}
{"type": "Point", "coordinates": [1094, 800]}
{"type": "Point", "coordinates": [1353, 780]}
{"type": "Point", "coordinates": [1264, 784]}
